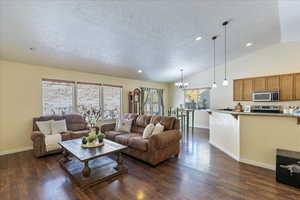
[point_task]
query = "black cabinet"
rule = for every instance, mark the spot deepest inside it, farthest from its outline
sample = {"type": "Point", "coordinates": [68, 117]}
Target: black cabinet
{"type": "Point", "coordinates": [288, 167]}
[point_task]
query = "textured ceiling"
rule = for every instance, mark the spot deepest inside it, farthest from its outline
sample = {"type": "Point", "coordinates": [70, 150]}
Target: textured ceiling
{"type": "Point", "coordinates": [119, 37]}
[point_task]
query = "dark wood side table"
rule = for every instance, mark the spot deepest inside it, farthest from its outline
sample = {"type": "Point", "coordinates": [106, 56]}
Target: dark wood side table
{"type": "Point", "coordinates": [89, 166]}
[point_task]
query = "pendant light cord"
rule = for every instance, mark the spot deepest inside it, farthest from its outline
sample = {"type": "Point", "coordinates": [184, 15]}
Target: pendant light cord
{"type": "Point", "coordinates": [214, 39]}
{"type": "Point", "coordinates": [225, 52]}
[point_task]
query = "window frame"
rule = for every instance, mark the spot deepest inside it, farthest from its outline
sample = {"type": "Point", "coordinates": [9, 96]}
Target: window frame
{"type": "Point", "coordinates": [204, 88]}
{"type": "Point", "coordinates": [121, 98]}
{"type": "Point", "coordinates": [75, 94]}
{"type": "Point", "coordinates": [58, 81]}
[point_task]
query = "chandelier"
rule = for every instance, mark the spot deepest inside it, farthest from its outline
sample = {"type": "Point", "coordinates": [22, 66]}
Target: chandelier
{"type": "Point", "coordinates": [181, 84]}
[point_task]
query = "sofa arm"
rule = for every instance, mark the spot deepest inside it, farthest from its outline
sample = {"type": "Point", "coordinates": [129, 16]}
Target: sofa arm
{"type": "Point", "coordinates": [37, 135]}
{"type": "Point", "coordinates": [39, 147]}
{"type": "Point", "coordinates": [163, 140]}
{"type": "Point", "coordinates": [108, 127]}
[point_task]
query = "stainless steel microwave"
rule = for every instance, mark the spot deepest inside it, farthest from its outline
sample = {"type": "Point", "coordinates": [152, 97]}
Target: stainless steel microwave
{"type": "Point", "coordinates": [265, 96]}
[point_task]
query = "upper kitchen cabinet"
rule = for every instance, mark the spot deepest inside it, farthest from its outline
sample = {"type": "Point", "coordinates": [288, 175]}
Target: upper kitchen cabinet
{"type": "Point", "coordinates": [272, 83]}
{"type": "Point", "coordinates": [238, 90]}
{"type": "Point", "coordinates": [286, 83]}
{"type": "Point", "coordinates": [297, 86]}
{"type": "Point", "coordinates": [247, 89]}
{"type": "Point", "coordinates": [259, 84]}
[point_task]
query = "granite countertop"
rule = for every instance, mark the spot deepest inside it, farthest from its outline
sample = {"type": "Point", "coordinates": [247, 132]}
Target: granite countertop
{"type": "Point", "coordinates": [253, 113]}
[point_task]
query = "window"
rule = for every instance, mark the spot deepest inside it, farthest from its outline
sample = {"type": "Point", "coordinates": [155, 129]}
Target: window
{"type": "Point", "coordinates": [112, 101]}
{"type": "Point", "coordinates": [197, 98]}
{"type": "Point", "coordinates": [153, 104]}
{"type": "Point", "coordinates": [58, 97]}
{"type": "Point", "coordinates": [88, 95]}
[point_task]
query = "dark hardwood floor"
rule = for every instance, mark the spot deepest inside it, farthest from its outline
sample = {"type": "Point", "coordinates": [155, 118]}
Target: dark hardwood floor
{"type": "Point", "coordinates": [200, 172]}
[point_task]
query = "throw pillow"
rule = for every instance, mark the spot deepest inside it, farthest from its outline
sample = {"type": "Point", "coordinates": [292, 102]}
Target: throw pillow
{"type": "Point", "coordinates": [148, 131]}
{"type": "Point", "coordinates": [44, 127]}
{"type": "Point", "coordinates": [58, 127]}
{"type": "Point", "coordinates": [124, 125]}
{"type": "Point", "coordinates": [158, 129]}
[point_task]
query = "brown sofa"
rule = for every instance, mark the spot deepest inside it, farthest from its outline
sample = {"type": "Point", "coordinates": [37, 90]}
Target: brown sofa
{"type": "Point", "coordinates": [154, 150]}
{"type": "Point", "coordinates": [76, 126]}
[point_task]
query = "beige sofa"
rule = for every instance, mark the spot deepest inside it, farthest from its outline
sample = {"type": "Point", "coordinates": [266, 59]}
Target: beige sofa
{"type": "Point", "coordinates": [154, 150]}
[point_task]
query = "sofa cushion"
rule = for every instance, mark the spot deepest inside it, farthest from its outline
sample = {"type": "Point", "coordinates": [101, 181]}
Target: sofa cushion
{"type": "Point", "coordinates": [58, 127]}
{"type": "Point", "coordinates": [124, 138]}
{"type": "Point", "coordinates": [78, 126]}
{"type": "Point", "coordinates": [112, 134]}
{"type": "Point", "coordinates": [75, 122]}
{"type": "Point", "coordinates": [168, 122]}
{"type": "Point", "coordinates": [143, 120]}
{"type": "Point", "coordinates": [78, 134]}
{"type": "Point", "coordinates": [155, 119]}
{"type": "Point", "coordinates": [158, 129]}
{"type": "Point", "coordinates": [123, 125]}
{"type": "Point", "coordinates": [148, 131]}
{"type": "Point", "coordinates": [45, 118]}
{"type": "Point", "coordinates": [44, 127]}
{"type": "Point", "coordinates": [137, 129]}
{"type": "Point", "coordinates": [137, 142]}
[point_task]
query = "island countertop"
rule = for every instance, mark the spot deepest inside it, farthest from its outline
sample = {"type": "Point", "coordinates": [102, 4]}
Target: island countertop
{"type": "Point", "coordinates": [253, 113]}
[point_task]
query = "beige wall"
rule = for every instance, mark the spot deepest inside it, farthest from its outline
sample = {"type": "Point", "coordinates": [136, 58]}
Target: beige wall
{"type": "Point", "coordinates": [254, 139]}
{"type": "Point", "coordinates": [276, 59]}
{"type": "Point", "coordinates": [260, 137]}
{"type": "Point", "coordinates": [21, 98]}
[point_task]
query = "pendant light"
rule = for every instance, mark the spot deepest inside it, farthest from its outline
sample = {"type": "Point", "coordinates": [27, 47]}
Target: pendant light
{"type": "Point", "coordinates": [214, 85]}
{"type": "Point", "coordinates": [181, 84]}
{"type": "Point", "coordinates": [225, 81]}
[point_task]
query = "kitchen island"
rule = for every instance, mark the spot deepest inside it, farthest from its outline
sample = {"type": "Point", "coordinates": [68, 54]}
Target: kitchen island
{"type": "Point", "coordinates": [254, 137]}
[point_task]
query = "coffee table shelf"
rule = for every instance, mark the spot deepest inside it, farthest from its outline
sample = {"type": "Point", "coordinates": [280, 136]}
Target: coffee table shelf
{"type": "Point", "coordinates": [90, 166]}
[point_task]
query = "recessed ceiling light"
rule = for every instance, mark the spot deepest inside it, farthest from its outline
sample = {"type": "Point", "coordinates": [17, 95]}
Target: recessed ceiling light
{"type": "Point", "coordinates": [198, 38]}
{"type": "Point", "coordinates": [249, 44]}
{"type": "Point", "coordinates": [140, 71]}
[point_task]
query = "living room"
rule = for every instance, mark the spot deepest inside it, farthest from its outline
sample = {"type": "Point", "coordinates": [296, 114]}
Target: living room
{"type": "Point", "coordinates": [149, 100]}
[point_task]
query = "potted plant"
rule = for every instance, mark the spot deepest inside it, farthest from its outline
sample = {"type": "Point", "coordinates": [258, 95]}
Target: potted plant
{"type": "Point", "coordinates": [100, 137]}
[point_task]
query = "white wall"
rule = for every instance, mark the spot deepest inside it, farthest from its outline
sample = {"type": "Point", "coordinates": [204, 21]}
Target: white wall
{"type": "Point", "coordinates": [276, 59]}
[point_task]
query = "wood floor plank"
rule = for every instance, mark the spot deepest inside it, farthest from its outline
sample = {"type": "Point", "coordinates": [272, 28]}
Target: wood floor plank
{"type": "Point", "coordinates": [200, 172]}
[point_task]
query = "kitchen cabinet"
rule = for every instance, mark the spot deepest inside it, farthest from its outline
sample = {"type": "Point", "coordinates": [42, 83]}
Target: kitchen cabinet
{"type": "Point", "coordinates": [238, 90]}
{"type": "Point", "coordinates": [272, 83]}
{"type": "Point", "coordinates": [259, 84]}
{"type": "Point", "coordinates": [247, 89]}
{"type": "Point", "coordinates": [297, 86]}
{"type": "Point", "coordinates": [286, 85]}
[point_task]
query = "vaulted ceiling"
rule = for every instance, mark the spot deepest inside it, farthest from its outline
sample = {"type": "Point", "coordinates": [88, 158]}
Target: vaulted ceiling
{"type": "Point", "coordinates": [117, 37]}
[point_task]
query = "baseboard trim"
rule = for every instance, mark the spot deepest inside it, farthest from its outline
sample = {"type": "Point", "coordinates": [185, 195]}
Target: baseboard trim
{"type": "Point", "coordinates": [15, 150]}
{"type": "Point", "coordinates": [225, 151]}
{"type": "Point", "coordinates": [203, 127]}
{"type": "Point", "coordinates": [246, 161]}
{"type": "Point", "coordinates": [258, 164]}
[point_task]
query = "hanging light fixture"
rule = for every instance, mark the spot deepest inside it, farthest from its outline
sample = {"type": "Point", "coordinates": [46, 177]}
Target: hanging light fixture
{"type": "Point", "coordinates": [225, 81]}
{"type": "Point", "coordinates": [181, 84]}
{"type": "Point", "coordinates": [214, 85]}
